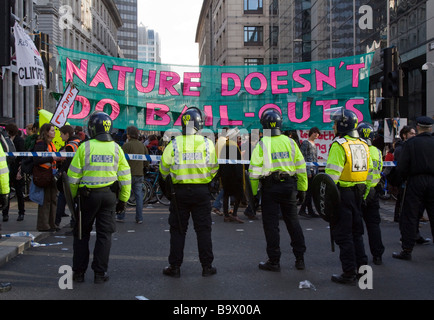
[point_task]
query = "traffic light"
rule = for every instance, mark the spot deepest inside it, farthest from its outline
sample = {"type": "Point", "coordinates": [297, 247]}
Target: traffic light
{"type": "Point", "coordinates": [392, 78]}
{"type": "Point", "coordinates": [396, 76]}
{"type": "Point", "coordinates": [5, 32]}
{"type": "Point", "coordinates": [387, 57]}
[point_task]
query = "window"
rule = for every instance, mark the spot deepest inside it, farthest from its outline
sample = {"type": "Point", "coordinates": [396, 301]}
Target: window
{"type": "Point", "coordinates": [252, 6]}
{"type": "Point", "coordinates": [274, 36]}
{"type": "Point", "coordinates": [253, 36]}
{"type": "Point", "coordinates": [253, 61]}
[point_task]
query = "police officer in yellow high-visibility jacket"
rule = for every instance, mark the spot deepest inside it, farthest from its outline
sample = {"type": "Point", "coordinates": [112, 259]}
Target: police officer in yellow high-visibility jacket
{"type": "Point", "coordinates": [4, 181]}
{"type": "Point", "coordinates": [371, 205]}
{"type": "Point", "coordinates": [348, 164]}
{"type": "Point", "coordinates": [190, 161]}
{"type": "Point", "coordinates": [279, 165]}
{"type": "Point", "coordinates": [98, 170]}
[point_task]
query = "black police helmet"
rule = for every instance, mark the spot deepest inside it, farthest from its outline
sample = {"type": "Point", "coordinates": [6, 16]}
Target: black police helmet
{"type": "Point", "coordinates": [346, 122]}
{"type": "Point", "coordinates": [366, 131]}
{"type": "Point", "coordinates": [271, 119]}
{"type": "Point", "coordinates": [100, 126]}
{"type": "Point", "coordinates": [191, 121]}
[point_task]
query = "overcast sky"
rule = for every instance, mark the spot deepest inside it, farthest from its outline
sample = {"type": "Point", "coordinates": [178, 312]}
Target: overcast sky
{"type": "Point", "coordinates": [176, 22]}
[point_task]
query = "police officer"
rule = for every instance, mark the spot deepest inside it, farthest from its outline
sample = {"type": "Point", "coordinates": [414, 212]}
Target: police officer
{"type": "Point", "coordinates": [348, 166]}
{"type": "Point", "coordinates": [279, 165]}
{"type": "Point", "coordinates": [416, 167]}
{"type": "Point", "coordinates": [4, 199]}
{"type": "Point", "coordinates": [97, 171]}
{"type": "Point", "coordinates": [190, 161]}
{"type": "Point", "coordinates": [371, 205]}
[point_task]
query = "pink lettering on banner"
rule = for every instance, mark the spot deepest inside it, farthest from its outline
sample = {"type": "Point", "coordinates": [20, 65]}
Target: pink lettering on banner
{"type": "Point", "coordinates": [248, 82]}
{"type": "Point", "coordinates": [225, 84]}
{"type": "Point", "coordinates": [72, 69]}
{"type": "Point", "coordinates": [275, 82]}
{"type": "Point", "coordinates": [101, 77]}
{"type": "Point", "coordinates": [85, 108]}
{"type": "Point", "coordinates": [350, 105]}
{"type": "Point", "coordinates": [122, 75]}
{"type": "Point", "coordinates": [114, 105]}
{"type": "Point", "coordinates": [168, 79]}
{"type": "Point", "coordinates": [322, 143]}
{"type": "Point", "coordinates": [321, 78]}
{"type": "Point", "coordinates": [296, 76]}
{"type": "Point", "coordinates": [151, 81]}
{"type": "Point", "coordinates": [159, 110]}
{"type": "Point", "coordinates": [269, 106]}
{"type": "Point", "coordinates": [208, 115]}
{"type": "Point", "coordinates": [326, 105]}
{"type": "Point", "coordinates": [355, 68]}
{"type": "Point", "coordinates": [291, 112]}
{"type": "Point", "coordinates": [188, 84]}
{"type": "Point", "coordinates": [224, 118]}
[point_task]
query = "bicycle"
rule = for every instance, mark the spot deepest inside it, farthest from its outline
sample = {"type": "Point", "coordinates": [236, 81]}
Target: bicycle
{"type": "Point", "coordinates": [153, 190]}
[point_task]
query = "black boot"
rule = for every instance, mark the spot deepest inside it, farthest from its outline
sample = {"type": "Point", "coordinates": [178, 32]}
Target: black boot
{"type": "Point", "coordinates": [269, 266]}
{"type": "Point", "coordinates": [345, 278]}
{"type": "Point", "coordinates": [100, 277]}
{"type": "Point", "coordinates": [405, 254]}
{"type": "Point", "coordinates": [208, 271]}
{"type": "Point", "coordinates": [172, 271]}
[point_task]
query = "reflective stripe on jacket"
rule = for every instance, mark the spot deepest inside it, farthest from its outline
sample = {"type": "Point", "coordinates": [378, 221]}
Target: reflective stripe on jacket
{"type": "Point", "coordinates": [4, 173]}
{"type": "Point", "coordinates": [98, 164]}
{"type": "Point", "coordinates": [277, 153]}
{"type": "Point", "coordinates": [349, 161]}
{"type": "Point", "coordinates": [189, 159]}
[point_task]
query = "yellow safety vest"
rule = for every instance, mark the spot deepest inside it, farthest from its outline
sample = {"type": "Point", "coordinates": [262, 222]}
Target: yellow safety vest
{"type": "Point", "coordinates": [353, 165]}
{"type": "Point", "coordinates": [98, 164]}
{"type": "Point", "coordinates": [189, 159]}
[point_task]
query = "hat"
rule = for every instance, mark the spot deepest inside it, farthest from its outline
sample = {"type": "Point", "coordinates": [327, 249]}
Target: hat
{"type": "Point", "coordinates": [425, 121]}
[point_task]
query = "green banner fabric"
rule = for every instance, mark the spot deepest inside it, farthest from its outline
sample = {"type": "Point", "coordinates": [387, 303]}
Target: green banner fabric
{"type": "Point", "coordinates": [152, 96]}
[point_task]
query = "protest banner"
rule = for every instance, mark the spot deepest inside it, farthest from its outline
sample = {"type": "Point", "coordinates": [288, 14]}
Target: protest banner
{"type": "Point", "coordinates": [152, 96]}
{"type": "Point", "coordinates": [64, 106]}
{"type": "Point", "coordinates": [29, 62]}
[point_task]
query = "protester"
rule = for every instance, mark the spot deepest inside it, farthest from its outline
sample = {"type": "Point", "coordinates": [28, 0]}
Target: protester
{"type": "Point", "coordinates": [72, 143]}
{"type": "Point", "coordinates": [16, 179]}
{"type": "Point", "coordinates": [138, 169]}
{"type": "Point", "coordinates": [47, 211]}
{"type": "Point", "coordinates": [310, 154]}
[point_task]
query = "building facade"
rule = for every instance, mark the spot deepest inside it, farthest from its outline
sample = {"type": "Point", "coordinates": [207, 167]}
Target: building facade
{"type": "Point", "coordinates": [149, 45]}
{"type": "Point", "coordinates": [127, 34]}
{"type": "Point", "coordinates": [84, 25]}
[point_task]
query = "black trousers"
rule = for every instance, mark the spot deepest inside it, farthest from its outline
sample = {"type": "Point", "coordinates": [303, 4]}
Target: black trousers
{"type": "Point", "coordinates": [99, 207]}
{"type": "Point", "coordinates": [371, 216]}
{"type": "Point", "coordinates": [194, 199]}
{"type": "Point", "coordinates": [280, 197]}
{"type": "Point", "coordinates": [419, 194]}
{"type": "Point", "coordinates": [348, 231]}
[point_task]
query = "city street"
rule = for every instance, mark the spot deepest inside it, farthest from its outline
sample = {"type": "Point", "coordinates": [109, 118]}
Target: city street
{"type": "Point", "coordinates": [139, 254]}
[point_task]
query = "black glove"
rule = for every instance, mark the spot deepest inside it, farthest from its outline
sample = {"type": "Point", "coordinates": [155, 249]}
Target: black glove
{"type": "Point", "coordinates": [301, 196]}
{"type": "Point", "coordinates": [121, 206]}
{"type": "Point", "coordinates": [4, 201]}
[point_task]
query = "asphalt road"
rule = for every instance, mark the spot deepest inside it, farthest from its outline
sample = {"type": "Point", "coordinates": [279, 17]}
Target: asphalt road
{"type": "Point", "coordinates": [139, 254]}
